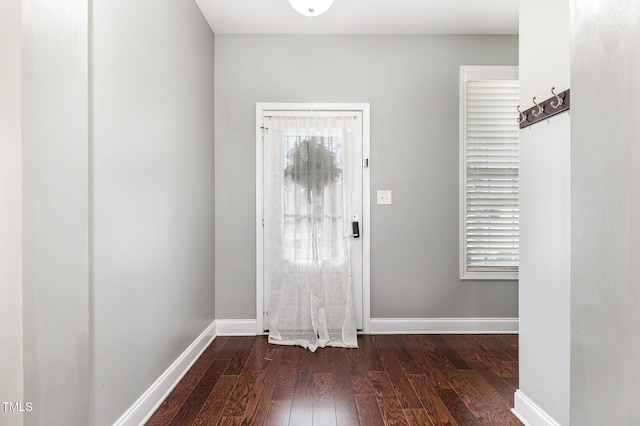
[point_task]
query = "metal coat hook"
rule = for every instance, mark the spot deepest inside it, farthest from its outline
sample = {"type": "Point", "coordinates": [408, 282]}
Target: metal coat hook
{"type": "Point", "coordinates": [521, 117]}
{"type": "Point", "coordinates": [539, 110]}
{"type": "Point", "coordinates": [555, 104]}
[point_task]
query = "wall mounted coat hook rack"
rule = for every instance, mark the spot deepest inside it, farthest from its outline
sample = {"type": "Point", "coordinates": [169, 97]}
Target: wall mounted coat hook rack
{"type": "Point", "coordinates": [556, 104]}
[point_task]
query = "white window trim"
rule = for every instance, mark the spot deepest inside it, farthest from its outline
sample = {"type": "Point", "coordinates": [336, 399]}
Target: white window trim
{"type": "Point", "coordinates": [476, 73]}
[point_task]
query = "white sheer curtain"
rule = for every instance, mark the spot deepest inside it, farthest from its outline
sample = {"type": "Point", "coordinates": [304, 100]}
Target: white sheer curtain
{"type": "Point", "coordinates": [311, 297]}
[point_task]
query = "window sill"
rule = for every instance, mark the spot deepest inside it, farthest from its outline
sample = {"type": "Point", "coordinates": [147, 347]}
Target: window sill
{"type": "Point", "coordinates": [495, 276]}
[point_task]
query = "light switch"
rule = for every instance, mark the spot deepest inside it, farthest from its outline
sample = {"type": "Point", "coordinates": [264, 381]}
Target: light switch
{"type": "Point", "coordinates": [384, 196]}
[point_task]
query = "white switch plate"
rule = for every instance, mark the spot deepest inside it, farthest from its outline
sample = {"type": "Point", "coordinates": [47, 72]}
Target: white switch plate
{"type": "Point", "coordinates": [384, 197]}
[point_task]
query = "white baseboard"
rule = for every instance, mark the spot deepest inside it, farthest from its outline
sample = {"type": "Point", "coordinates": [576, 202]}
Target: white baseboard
{"type": "Point", "coordinates": [247, 327]}
{"type": "Point", "coordinates": [149, 402]}
{"type": "Point", "coordinates": [236, 327]}
{"type": "Point", "coordinates": [444, 326]}
{"type": "Point", "coordinates": [529, 413]}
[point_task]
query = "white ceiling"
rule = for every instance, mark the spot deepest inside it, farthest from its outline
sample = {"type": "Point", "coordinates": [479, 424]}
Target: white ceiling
{"type": "Point", "coordinates": [364, 17]}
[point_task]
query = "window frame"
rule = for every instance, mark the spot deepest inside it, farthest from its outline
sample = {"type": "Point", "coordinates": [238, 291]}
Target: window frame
{"type": "Point", "coordinates": [471, 73]}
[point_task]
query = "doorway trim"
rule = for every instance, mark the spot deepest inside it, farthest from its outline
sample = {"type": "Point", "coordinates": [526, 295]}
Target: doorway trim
{"type": "Point", "coordinates": [261, 107]}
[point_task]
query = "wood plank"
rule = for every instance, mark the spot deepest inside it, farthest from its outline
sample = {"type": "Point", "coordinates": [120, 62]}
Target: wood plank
{"type": "Point", "coordinates": [370, 354]}
{"type": "Point", "coordinates": [514, 382]}
{"type": "Point", "coordinates": [430, 370]}
{"type": "Point", "coordinates": [360, 381]}
{"type": "Point", "coordinates": [324, 409]}
{"type": "Point", "coordinates": [239, 358]}
{"type": "Point", "coordinates": [491, 396]}
{"type": "Point", "coordinates": [368, 410]}
{"type": "Point", "coordinates": [348, 416]}
{"type": "Point", "coordinates": [239, 396]}
{"type": "Point", "coordinates": [279, 413]}
{"type": "Point", "coordinates": [436, 409]}
{"type": "Point", "coordinates": [302, 402]}
{"type": "Point", "coordinates": [496, 346]}
{"type": "Point", "coordinates": [424, 341]}
{"type": "Point", "coordinates": [401, 385]}
{"type": "Point", "coordinates": [442, 366]}
{"type": "Point", "coordinates": [257, 354]}
{"type": "Point", "coordinates": [504, 347]}
{"type": "Point", "coordinates": [417, 417]}
{"type": "Point", "coordinates": [270, 354]}
{"type": "Point", "coordinates": [390, 407]}
{"type": "Point", "coordinates": [456, 407]}
{"type": "Point", "coordinates": [405, 344]}
{"type": "Point", "coordinates": [230, 348]}
{"type": "Point", "coordinates": [502, 387]}
{"type": "Point", "coordinates": [171, 405]}
{"type": "Point", "coordinates": [400, 347]}
{"type": "Point", "coordinates": [198, 397]}
{"type": "Point", "coordinates": [468, 349]}
{"type": "Point", "coordinates": [211, 411]}
{"type": "Point", "coordinates": [511, 339]}
{"type": "Point", "coordinates": [493, 349]}
{"type": "Point", "coordinates": [403, 389]}
{"type": "Point", "coordinates": [344, 397]}
{"type": "Point", "coordinates": [165, 413]}
{"type": "Point", "coordinates": [230, 421]}
{"type": "Point", "coordinates": [448, 352]}
{"type": "Point", "coordinates": [482, 411]}
{"type": "Point", "coordinates": [501, 368]}
{"type": "Point", "coordinates": [286, 378]}
{"type": "Point", "coordinates": [258, 403]}
{"type": "Point", "coordinates": [321, 363]}
{"type": "Point", "coordinates": [495, 355]}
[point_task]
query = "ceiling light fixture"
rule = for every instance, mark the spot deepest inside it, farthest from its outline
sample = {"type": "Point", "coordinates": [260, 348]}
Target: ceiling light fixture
{"type": "Point", "coordinates": [311, 7]}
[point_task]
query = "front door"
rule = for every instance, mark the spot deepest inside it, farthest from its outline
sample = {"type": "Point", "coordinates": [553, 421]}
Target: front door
{"type": "Point", "coordinates": [312, 206]}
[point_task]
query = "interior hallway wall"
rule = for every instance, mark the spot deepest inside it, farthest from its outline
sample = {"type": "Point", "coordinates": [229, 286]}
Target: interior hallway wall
{"type": "Point", "coordinates": [545, 209]}
{"type": "Point", "coordinates": [117, 200]}
{"type": "Point", "coordinates": [55, 211]}
{"type": "Point", "coordinates": [152, 193]}
{"type": "Point", "coordinates": [11, 369]}
{"type": "Point", "coordinates": [605, 212]}
{"type": "Point", "coordinates": [412, 83]}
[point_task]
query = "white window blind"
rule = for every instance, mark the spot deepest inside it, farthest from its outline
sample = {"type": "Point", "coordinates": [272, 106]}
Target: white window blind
{"type": "Point", "coordinates": [490, 158]}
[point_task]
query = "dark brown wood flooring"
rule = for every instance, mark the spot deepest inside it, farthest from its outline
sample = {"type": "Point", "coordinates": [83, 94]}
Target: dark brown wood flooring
{"type": "Point", "coordinates": [389, 380]}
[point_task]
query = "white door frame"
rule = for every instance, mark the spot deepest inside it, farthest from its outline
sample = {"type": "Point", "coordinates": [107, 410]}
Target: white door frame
{"type": "Point", "coordinates": [261, 107]}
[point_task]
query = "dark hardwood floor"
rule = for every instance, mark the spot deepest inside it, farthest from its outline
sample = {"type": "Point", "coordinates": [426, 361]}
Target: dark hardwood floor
{"type": "Point", "coordinates": [388, 380]}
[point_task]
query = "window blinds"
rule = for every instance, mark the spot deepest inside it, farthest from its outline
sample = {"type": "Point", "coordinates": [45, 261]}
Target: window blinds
{"type": "Point", "coordinates": [491, 178]}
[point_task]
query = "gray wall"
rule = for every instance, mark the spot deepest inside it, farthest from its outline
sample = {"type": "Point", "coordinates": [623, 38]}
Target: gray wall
{"type": "Point", "coordinates": [412, 83]}
{"type": "Point", "coordinates": [55, 219]}
{"type": "Point", "coordinates": [11, 385]}
{"type": "Point", "coordinates": [152, 201]}
{"type": "Point", "coordinates": [117, 201]}
{"type": "Point", "coordinates": [545, 208]}
{"type": "Point", "coordinates": [605, 214]}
